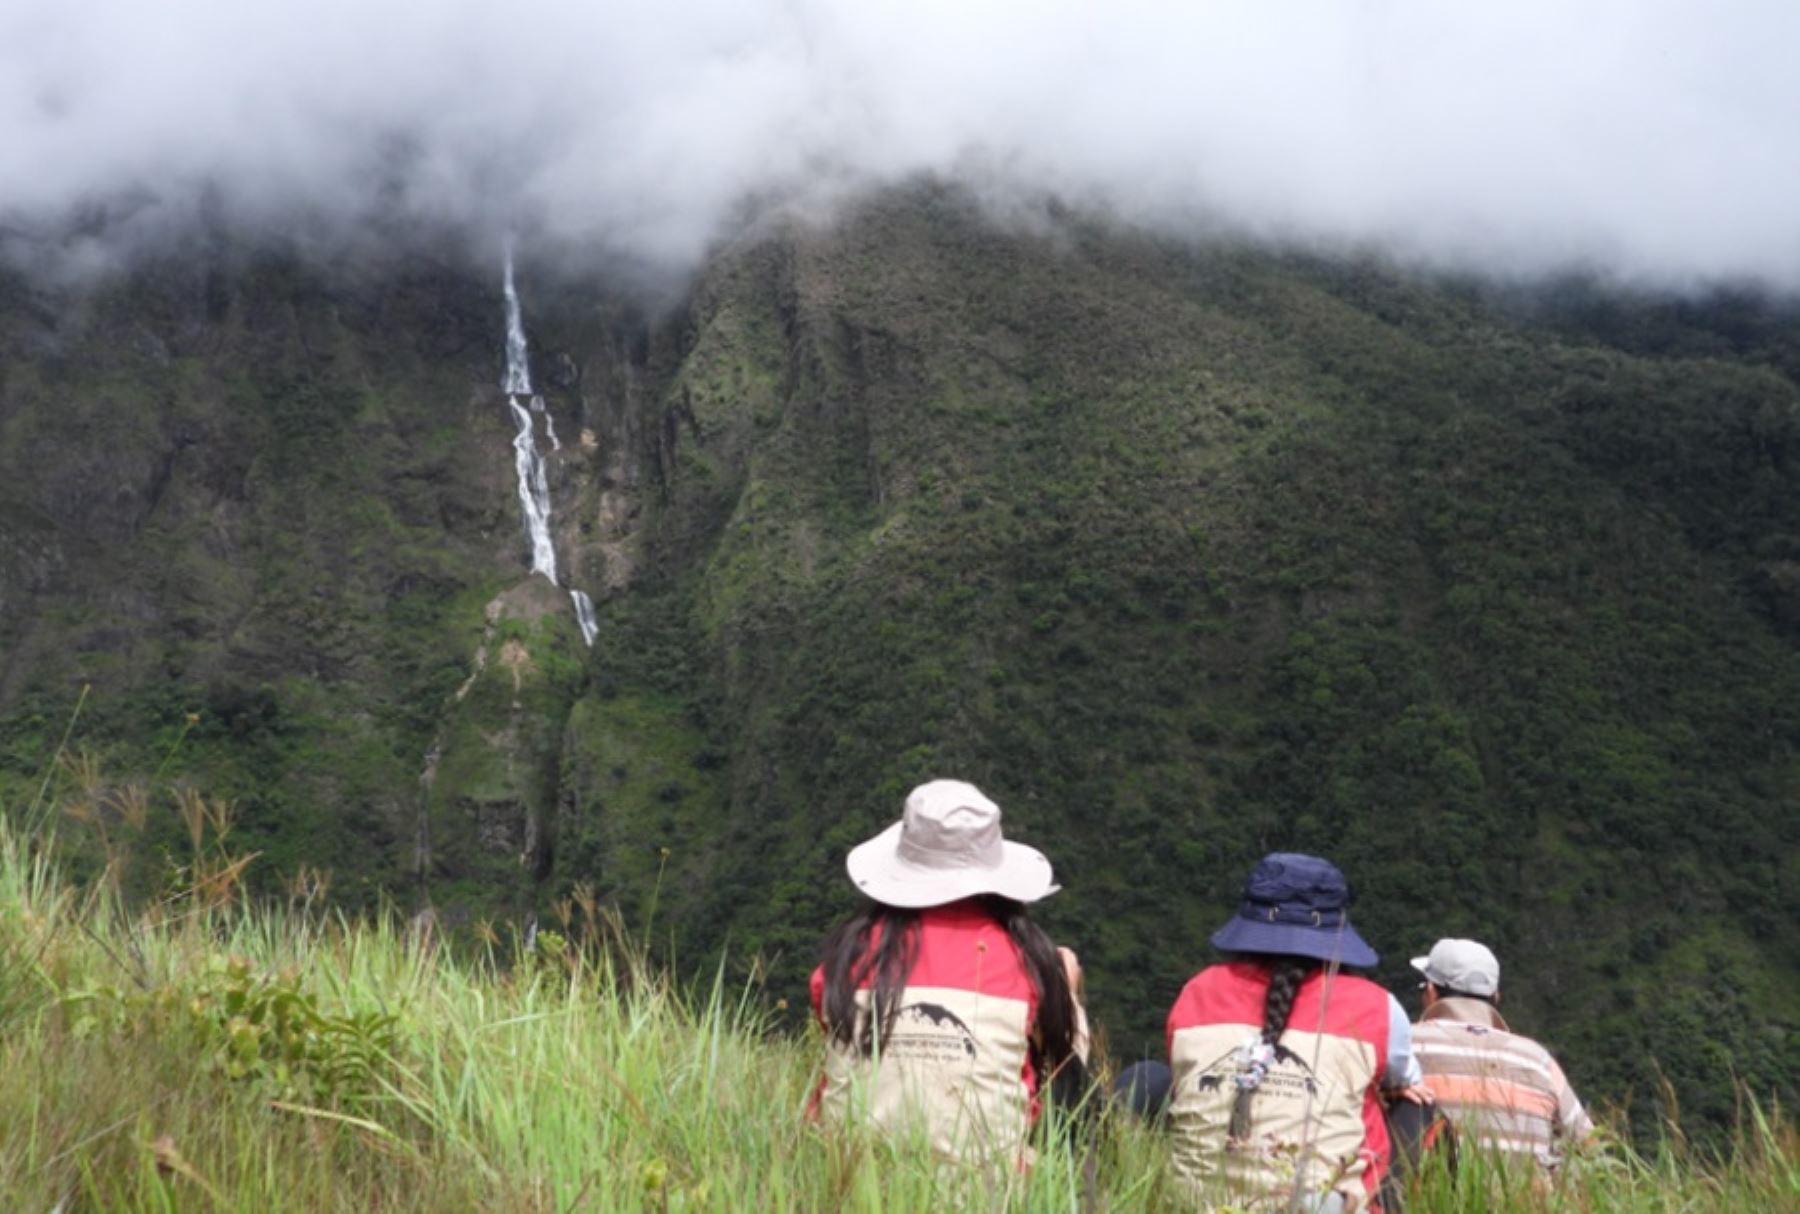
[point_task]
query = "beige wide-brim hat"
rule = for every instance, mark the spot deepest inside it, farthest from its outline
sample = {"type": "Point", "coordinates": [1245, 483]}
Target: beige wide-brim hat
{"type": "Point", "coordinates": [947, 846]}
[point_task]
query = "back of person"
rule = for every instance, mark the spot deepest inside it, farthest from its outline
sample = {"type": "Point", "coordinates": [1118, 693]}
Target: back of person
{"type": "Point", "coordinates": [944, 1007]}
{"type": "Point", "coordinates": [1278, 1057]}
{"type": "Point", "coordinates": [955, 1065]}
{"type": "Point", "coordinates": [1317, 1099]}
{"type": "Point", "coordinates": [1503, 1091]}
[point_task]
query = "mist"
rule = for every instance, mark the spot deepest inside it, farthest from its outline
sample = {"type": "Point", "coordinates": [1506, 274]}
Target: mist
{"type": "Point", "coordinates": [1654, 142]}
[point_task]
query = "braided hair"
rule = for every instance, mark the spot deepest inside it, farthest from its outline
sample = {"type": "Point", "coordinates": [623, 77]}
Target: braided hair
{"type": "Point", "coordinates": [1285, 976]}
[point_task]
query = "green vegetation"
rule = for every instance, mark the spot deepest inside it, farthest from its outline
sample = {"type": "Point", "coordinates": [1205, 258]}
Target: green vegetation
{"type": "Point", "coordinates": [203, 1053]}
{"type": "Point", "coordinates": [1183, 553]}
{"type": "Point", "coordinates": [1189, 554]}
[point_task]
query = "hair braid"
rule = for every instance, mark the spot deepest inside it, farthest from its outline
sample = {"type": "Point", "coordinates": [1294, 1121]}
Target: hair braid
{"type": "Point", "coordinates": [1285, 976]}
{"type": "Point", "coordinates": [1284, 987]}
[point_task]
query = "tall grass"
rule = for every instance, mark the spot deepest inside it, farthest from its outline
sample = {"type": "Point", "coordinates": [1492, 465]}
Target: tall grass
{"type": "Point", "coordinates": [202, 1054]}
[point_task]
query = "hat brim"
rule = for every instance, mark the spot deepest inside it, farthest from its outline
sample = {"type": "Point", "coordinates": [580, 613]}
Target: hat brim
{"type": "Point", "coordinates": [878, 870]}
{"type": "Point", "coordinates": [1328, 944]}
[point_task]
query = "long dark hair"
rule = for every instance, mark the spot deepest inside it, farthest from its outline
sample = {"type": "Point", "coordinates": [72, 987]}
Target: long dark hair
{"type": "Point", "coordinates": [1285, 976]}
{"type": "Point", "coordinates": [850, 961]}
{"type": "Point", "coordinates": [1053, 1045]}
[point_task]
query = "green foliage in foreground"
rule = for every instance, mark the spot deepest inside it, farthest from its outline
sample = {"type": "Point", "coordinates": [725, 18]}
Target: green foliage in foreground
{"type": "Point", "coordinates": [202, 1055]}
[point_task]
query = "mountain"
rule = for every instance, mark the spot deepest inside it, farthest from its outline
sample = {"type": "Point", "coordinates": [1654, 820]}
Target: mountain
{"type": "Point", "coordinates": [1182, 552]}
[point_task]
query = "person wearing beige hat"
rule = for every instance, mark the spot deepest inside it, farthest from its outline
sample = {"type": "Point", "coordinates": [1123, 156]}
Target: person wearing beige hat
{"type": "Point", "coordinates": [946, 1010]}
{"type": "Point", "coordinates": [1500, 1089]}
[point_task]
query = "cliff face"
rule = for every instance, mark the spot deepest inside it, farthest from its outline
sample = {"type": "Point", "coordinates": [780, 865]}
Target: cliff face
{"type": "Point", "coordinates": [1182, 554]}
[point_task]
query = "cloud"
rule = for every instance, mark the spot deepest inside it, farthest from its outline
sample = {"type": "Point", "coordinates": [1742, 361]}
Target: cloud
{"type": "Point", "coordinates": [1655, 140]}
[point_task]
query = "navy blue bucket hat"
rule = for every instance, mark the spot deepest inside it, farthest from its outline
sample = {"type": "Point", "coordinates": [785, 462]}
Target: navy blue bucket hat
{"type": "Point", "coordinates": [1299, 906]}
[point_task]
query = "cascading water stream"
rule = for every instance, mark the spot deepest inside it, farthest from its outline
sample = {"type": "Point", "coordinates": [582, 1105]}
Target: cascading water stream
{"type": "Point", "coordinates": [534, 493]}
{"type": "Point", "coordinates": [584, 615]}
{"type": "Point", "coordinates": [534, 478]}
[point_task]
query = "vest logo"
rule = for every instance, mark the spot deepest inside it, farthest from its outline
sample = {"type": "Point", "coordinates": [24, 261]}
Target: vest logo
{"type": "Point", "coordinates": [929, 1032]}
{"type": "Point", "coordinates": [1290, 1074]}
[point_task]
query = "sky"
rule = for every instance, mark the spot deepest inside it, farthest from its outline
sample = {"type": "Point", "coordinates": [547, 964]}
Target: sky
{"type": "Point", "coordinates": [1652, 141]}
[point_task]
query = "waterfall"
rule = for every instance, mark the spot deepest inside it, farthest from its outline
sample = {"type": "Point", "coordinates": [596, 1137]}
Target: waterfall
{"type": "Point", "coordinates": [528, 461]}
{"type": "Point", "coordinates": [518, 363]}
{"type": "Point", "coordinates": [537, 406]}
{"type": "Point", "coordinates": [534, 493]}
{"type": "Point", "coordinates": [584, 615]}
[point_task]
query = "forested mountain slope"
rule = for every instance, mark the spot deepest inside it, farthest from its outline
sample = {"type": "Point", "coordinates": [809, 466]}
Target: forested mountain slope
{"type": "Point", "coordinates": [1183, 554]}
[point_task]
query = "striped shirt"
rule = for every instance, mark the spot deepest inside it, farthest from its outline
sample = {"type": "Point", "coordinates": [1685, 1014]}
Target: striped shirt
{"type": "Point", "coordinates": [1501, 1091]}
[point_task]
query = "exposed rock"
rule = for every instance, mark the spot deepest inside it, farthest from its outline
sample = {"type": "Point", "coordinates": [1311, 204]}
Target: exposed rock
{"type": "Point", "coordinates": [563, 372]}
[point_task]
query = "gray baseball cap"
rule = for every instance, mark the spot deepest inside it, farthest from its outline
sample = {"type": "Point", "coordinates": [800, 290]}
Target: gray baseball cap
{"type": "Point", "coordinates": [1461, 965]}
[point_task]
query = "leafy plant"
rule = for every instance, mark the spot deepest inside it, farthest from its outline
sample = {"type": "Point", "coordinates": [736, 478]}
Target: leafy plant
{"type": "Point", "coordinates": [254, 1026]}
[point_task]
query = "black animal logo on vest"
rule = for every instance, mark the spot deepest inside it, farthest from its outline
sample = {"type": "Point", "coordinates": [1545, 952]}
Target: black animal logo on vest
{"type": "Point", "coordinates": [940, 1017]}
{"type": "Point", "coordinates": [1214, 1074]}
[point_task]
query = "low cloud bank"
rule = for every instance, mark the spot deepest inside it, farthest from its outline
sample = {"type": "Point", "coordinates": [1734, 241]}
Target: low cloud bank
{"type": "Point", "coordinates": [1655, 141]}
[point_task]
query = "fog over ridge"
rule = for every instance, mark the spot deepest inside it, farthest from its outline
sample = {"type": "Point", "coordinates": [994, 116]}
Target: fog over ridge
{"type": "Point", "coordinates": [1655, 140]}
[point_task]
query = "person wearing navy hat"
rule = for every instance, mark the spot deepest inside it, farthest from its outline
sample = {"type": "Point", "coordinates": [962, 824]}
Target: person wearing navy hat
{"type": "Point", "coordinates": [1278, 1057]}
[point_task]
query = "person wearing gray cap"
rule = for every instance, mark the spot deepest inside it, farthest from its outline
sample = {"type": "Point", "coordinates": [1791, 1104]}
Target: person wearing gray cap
{"type": "Point", "coordinates": [1501, 1090]}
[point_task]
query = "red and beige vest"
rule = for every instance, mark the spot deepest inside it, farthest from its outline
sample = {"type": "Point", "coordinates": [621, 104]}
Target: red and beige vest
{"type": "Point", "coordinates": [956, 1066]}
{"type": "Point", "coordinates": [1317, 1118]}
